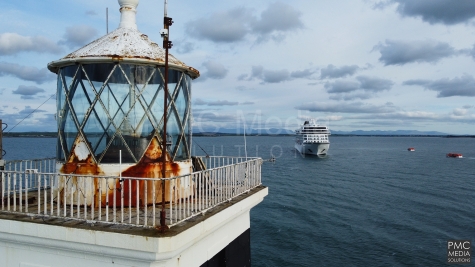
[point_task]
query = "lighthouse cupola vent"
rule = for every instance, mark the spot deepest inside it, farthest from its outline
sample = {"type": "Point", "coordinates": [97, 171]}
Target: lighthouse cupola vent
{"type": "Point", "coordinates": [128, 10]}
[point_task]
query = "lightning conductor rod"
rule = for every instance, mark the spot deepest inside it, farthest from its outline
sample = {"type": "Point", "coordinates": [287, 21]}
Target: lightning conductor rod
{"type": "Point", "coordinates": [107, 20]}
{"type": "Point", "coordinates": [167, 22]}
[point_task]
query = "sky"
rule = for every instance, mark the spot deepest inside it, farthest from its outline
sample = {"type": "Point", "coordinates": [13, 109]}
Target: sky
{"type": "Point", "coordinates": [350, 64]}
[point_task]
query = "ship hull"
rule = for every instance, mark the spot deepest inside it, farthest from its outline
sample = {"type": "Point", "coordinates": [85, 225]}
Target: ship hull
{"type": "Point", "coordinates": [313, 148]}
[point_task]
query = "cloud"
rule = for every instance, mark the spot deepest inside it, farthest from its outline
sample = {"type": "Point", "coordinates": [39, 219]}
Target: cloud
{"type": "Point", "coordinates": [213, 117]}
{"type": "Point", "coordinates": [13, 43]}
{"type": "Point", "coordinates": [235, 24]}
{"type": "Point", "coordinates": [91, 13]}
{"type": "Point", "coordinates": [342, 86]}
{"type": "Point", "coordinates": [27, 92]}
{"type": "Point", "coordinates": [201, 102]}
{"type": "Point", "coordinates": [363, 88]}
{"type": "Point", "coordinates": [463, 86]}
{"type": "Point", "coordinates": [184, 47]}
{"type": "Point", "coordinates": [214, 70]}
{"type": "Point", "coordinates": [256, 72]}
{"type": "Point", "coordinates": [448, 12]}
{"type": "Point", "coordinates": [460, 112]}
{"type": "Point", "coordinates": [302, 73]}
{"type": "Point", "coordinates": [28, 110]}
{"type": "Point", "coordinates": [33, 74]}
{"type": "Point", "coordinates": [355, 107]}
{"type": "Point", "coordinates": [221, 27]}
{"type": "Point", "coordinates": [277, 19]}
{"type": "Point", "coordinates": [333, 72]}
{"type": "Point", "coordinates": [78, 35]}
{"type": "Point", "coordinates": [275, 76]}
{"type": "Point", "coordinates": [244, 88]}
{"type": "Point", "coordinates": [399, 52]}
{"type": "Point", "coordinates": [374, 84]}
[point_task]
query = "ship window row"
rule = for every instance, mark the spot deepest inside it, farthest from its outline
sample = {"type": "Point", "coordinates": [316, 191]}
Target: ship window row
{"type": "Point", "coordinates": [314, 132]}
{"type": "Point", "coordinates": [316, 138]}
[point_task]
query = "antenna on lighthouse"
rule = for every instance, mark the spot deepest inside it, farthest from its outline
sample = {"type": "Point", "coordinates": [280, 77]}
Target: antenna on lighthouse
{"type": "Point", "coordinates": [167, 22]}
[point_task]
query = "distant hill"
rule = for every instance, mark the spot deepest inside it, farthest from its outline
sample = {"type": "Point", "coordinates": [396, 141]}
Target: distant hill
{"type": "Point", "coordinates": [271, 131]}
{"type": "Point", "coordinates": [275, 131]}
{"type": "Point", "coordinates": [379, 132]}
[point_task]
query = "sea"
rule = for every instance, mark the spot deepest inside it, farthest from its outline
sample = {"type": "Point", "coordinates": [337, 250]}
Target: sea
{"type": "Point", "coordinates": [369, 202]}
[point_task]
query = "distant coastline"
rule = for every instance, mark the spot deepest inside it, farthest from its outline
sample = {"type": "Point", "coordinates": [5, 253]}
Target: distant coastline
{"type": "Point", "coordinates": [54, 135]}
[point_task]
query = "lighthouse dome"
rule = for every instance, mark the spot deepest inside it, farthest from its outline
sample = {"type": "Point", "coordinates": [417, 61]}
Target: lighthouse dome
{"type": "Point", "coordinates": [126, 44]}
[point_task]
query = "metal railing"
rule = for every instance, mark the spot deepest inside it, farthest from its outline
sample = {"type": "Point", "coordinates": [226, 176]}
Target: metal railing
{"type": "Point", "coordinates": [106, 199]}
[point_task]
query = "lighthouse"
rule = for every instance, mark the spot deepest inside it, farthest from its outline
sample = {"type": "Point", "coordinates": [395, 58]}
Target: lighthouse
{"type": "Point", "coordinates": [124, 188]}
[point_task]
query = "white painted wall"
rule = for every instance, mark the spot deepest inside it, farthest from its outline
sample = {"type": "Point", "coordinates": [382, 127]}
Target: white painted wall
{"type": "Point", "coordinates": [38, 245]}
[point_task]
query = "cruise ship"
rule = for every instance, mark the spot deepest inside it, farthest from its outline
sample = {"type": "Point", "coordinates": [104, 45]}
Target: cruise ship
{"type": "Point", "coordinates": [312, 138]}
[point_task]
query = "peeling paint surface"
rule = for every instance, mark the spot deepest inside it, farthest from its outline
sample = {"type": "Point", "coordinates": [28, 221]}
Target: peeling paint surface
{"type": "Point", "coordinates": [81, 151]}
{"type": "Point", "coordinates": [125, 43]}
{"type": "Point", "coordinates": [149, 192]}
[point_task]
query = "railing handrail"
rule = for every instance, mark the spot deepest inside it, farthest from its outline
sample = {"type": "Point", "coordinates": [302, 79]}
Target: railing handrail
{"type": "Point", "coordinates": [70, 196]}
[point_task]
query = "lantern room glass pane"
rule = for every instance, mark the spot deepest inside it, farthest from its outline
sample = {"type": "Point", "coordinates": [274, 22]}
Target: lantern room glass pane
{"type": "Point", "coordinates": [120, 107]}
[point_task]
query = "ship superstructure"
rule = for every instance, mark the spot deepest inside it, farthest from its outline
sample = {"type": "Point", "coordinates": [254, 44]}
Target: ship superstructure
{"type": "Point", "coordinates": [312, 138]}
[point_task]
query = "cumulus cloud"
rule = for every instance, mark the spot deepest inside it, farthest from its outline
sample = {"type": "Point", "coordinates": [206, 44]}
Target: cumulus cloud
{"type": "Point", "coordinates": [399, 52]}
{"type": "Point", "coordinates": [446, 12]}
{"type": "Point", "coordinates": [221, 27]}
{"type": "Point", "coordinates": [214, 70]}
{"type": "Point", "coordinates": [27, 92]}
{"type": "Point", "coordinates": [275, 76]}
{"type": "Point", "coordinates": [374, 84]}
{"type": "Point", "coordinates": [201, 102]}
{"type": "Point", "coordinates": [13, 43]}
{"type": "Point", "coordinates": [184, 47]}
{"type": "Point", "coordinates": [302, 73]}
{"type": "Point", "coordinates": [256, 72]}
{"type": "Point", "coordinates": [342, 86]}
{"type": "Point", "coordinates": [235, 24]}
{"type": "Point", "coordinates": [463, 86]}
{"type": "Point", "coordinates": [277, 19]}
{"type": "Point", "coordinates": [78, 35]}
{"type": "Point", "coordinates": [363, 88]}
{"type": "Point", "coordinates": [355, 107]}
{"type": "Point", "coordinates": [333, 72]}
{"type": "Point", "coordinates": [28, 110]}
{"type": "Point", "coordinates": [460, 112]}
{"type": "Point", "coordinates": [26, 73]}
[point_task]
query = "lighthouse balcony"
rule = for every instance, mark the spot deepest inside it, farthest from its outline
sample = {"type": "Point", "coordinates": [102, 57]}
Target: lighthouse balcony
{"type": "Point", "coordinates": [33, 190]}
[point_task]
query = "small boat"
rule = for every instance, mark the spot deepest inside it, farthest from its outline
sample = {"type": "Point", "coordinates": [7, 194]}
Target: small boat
{"type": "Point", "coordinates": [454, 155]}
{"type": "Point", "coordinates": [411, 149]}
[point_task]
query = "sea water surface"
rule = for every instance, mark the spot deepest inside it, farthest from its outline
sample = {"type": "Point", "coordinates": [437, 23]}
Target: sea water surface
{"type": "Point", "coordinates": [369, 202]}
